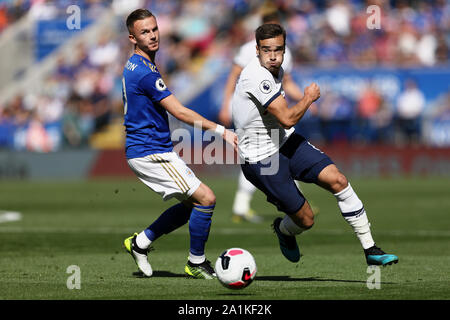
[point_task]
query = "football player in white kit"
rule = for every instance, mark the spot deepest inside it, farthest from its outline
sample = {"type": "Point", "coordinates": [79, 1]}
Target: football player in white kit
{"type": "Point", "coordinates": [241, 204]}
{"type": "Point", "coordinates": [274, 156]}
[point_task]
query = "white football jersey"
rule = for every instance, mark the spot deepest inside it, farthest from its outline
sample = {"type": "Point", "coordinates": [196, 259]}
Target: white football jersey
{"type": "Point", "coordinates": [259, 133]}
{"type": "Point", "coordinates": [248, 51]}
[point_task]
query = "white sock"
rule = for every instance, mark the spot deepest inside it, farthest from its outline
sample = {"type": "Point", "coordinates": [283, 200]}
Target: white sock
{"type": "Point", "coordinates": [243, 196]}
{"type": "Point", "coordinates": [241, 203]}
{"type": "Point", "coordinates": [196, 259]}
{"type": "Point", "coordinates": [142, 241]}
{"type": "Point", "coordinates": [289, 227]}
{"type": "Point", "coordinates": [352, 210]}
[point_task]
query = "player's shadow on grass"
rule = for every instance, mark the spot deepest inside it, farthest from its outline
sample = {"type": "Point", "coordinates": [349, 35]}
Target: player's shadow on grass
{"type": "Point", "coordinates": [288, 278]}
{"type": "Point", "coordinates": [168, 274]}
{"type": "Point", "coordinates": [160, 274]}
{"type": "Point", "coordinates": [234, 294]}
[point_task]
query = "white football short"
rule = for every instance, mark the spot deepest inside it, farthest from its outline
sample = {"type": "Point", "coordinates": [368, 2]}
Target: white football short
{"type": "Point", "coordinates": [166, 174]}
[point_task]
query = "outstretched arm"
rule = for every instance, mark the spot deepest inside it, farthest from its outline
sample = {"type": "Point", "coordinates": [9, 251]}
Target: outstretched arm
{"type": "Point", "coordinates": [224, 113]}
{"type": "Point", "coordinates": [186, 115]}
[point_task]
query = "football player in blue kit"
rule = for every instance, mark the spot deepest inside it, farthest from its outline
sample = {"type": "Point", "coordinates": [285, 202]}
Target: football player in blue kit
{"type": "Point", "coordinates": [274, 155]}
{"type": "Point", "coordinates": [149, 151]}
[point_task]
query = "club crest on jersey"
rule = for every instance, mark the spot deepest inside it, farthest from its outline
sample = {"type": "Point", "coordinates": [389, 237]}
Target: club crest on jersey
{"type": "Point", "coordinates": [265, 86]}
{"type": "Point", "coordinates": [160, 85]}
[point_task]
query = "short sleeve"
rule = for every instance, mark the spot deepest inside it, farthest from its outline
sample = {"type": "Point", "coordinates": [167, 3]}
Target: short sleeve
{"type": "Point", "coordinates": [154, 87]}
{"type": "Point", "coordinates": [263, 91]}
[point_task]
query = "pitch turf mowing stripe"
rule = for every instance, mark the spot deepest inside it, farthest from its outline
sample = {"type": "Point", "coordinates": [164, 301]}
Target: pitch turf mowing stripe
{"type": "Point", "coordinates": [225, 231]}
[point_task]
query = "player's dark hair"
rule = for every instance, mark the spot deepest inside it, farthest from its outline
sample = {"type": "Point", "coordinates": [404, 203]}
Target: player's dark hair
{"type": "Point", "coordinates": [138, 14]}
{"type": "Point", "coordinates": [268, 31]}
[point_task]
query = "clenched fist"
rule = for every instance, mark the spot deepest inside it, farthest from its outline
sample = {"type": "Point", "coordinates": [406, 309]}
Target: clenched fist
{"type": "Point", "coordinates": [231, 138]}
{"type": "Point", "coordinates": [313, 91]}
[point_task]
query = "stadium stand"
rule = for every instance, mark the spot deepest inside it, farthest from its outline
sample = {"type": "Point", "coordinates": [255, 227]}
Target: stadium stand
{"type": "Point", "coordinates": [66, 94]}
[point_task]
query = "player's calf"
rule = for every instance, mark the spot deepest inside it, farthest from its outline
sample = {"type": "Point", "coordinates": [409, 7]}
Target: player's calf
{"type": "Point", "coordinates": [300, 221]}
{"type": "Point", "coordinates": [289, 227]}
{"type": "Point", "coordinates": [288, 243]}
{"type": "Point", "coordinates": [352, 210]}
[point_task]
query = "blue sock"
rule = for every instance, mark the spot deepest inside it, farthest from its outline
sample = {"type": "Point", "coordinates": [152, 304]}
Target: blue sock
{"type": "Point", "coordinates": [199, 225]}
{"type": "Point", "coordinates": [169, 220]}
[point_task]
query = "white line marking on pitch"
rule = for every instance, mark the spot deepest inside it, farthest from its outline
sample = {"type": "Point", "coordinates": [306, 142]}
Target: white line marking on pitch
{"type": "Point", "coordinates": [8, 216]}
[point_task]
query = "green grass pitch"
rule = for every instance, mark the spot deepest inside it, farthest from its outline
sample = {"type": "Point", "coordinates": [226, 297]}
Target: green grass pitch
{"type": "Point", "coordinates": [85, 223]}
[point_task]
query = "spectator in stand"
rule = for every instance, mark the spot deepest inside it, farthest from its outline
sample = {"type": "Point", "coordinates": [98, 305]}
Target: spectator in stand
{"type": "Point", "coordinates": [4, 21]}
{"type": "Point", "coordinates": [381, 123]}
{"type": "Point", "coordinates": [330, 51]}
{"type": "Point", "coordinates": [367, 107]}
{"type": "Point", "coordinates": [410, 105]}
{"type": "Point", "coordinates": [44, 10]}
{"type": "Point", "coordinates": [338, 16]}
{"type": "Point", "coordinates": [78, 121]}
{"type": "Point", "coordinates": [7, 127]}
{"type": "Point", "coordinates": [442, 48]}
{"type": "Point", "coordinates": [105, 52]}
{"type": "Point", "coordinates": [335, 114]}
{"type": "Point", "coordinates": [37, 138]}
{"type": "Point", "coordinates": [436, 121]}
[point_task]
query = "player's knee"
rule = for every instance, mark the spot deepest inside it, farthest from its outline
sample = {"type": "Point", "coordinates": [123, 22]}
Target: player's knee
{"type": "Point", "coordinates": [209, 199]}
{"type": "Point", "coordinates": [339, 182]}
{"type": "Point", "coordinates": [332, 179]}
{"type": "Point", "coordinates": [203, 196]}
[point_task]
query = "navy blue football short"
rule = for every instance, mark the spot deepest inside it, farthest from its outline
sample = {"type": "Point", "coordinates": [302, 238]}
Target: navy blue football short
{"type": "Point", "coordinates": [275, 175]}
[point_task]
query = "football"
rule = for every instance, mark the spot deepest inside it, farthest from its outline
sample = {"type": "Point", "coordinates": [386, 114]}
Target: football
{"type": "Point", "coordinates": [235, 268]}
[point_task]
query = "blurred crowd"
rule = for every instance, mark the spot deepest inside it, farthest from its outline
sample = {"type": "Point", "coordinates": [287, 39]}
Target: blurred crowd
{"type": "Point", "coordinates": [82, 96]}
{"type": "Point", "coordinates": [11, 11]}
{"type": "Point", "coordinates": [373, 118]}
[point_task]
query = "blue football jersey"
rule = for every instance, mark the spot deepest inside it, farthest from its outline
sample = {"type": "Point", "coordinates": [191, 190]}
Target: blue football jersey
{"type": "Point", "coordinates": [146, 121]}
